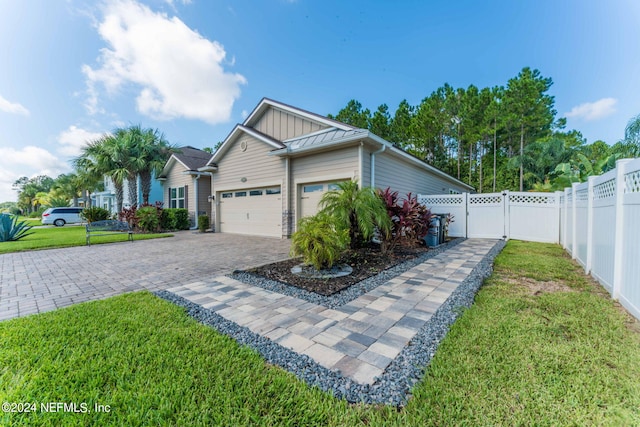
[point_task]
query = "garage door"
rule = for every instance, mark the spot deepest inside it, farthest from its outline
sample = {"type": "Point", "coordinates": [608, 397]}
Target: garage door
{"type": "Point", "coordinates": [310, 195]}
{"type": "Point", "coordinates": [255, 211]}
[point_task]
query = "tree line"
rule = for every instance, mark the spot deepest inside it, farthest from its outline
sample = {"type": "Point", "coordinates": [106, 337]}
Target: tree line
{"type": "Point", "coordinates": [504, 137]}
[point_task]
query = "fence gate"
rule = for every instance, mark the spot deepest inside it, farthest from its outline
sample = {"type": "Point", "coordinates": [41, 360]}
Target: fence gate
{"type": "Point", "coordinates": [486, 215]}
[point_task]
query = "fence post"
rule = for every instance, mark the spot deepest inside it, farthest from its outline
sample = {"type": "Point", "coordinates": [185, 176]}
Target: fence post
{"type": "Point", "coordinates": [574, 243]}
{"type": "Point", "coordinates": [589, 260]}
{"type": "Point", "coordinates": [507, 220]}
{"type": "Point", "coordinates": [619, 231]}
{"type": "Point", "coordinates": [565, 244]}
{"type": "Point", "coordinates": [465, 197]}
{"type": "Point", "coordinates": [558, 216]}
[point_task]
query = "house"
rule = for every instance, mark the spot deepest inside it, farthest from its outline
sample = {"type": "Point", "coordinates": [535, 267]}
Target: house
{"type": "Point", "coordinates": [274, 167]}
{"type": "Point", "coordinates": [184, 185]}
{"type": "Point", "coordinates": [107, 198]}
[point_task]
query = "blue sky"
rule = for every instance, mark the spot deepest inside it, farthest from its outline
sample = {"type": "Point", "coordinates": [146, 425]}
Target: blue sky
{"type": "Point", "coordinates": [71, 70]}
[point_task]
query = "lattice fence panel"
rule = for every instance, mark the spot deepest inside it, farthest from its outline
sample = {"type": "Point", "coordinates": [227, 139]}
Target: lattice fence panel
{"type": "Point", "coordinates": [533, 199]}
{"type": "Point", "coordinates": [430, 201]}
{"type": "Point", "coordinates": [632, 182]}
{"type": "Point", "coordinates": [604, 190]}
{"type": "Point", "coordinates": [482, 200]}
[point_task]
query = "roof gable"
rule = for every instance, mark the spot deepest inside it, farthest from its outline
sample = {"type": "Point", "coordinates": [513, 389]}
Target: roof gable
{"type": "Point", "coordinates": [190, 158]}
{"type": "Point", "coordinates": [266, 103]}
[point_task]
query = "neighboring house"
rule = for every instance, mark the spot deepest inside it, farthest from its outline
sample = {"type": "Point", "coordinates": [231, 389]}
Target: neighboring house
{"type": "Point", "coordinates": [273, 169]}
{"type": "Point", "coordinates": [184, 186]}
{"type": "Point", "coordinates": [107, 199]}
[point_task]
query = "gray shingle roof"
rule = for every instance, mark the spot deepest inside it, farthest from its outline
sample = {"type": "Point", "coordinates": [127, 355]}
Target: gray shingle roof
{"type": "Point", "coordinates": [193, 158]}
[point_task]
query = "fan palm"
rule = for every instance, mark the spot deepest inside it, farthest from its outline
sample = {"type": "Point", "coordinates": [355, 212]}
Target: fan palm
{"type": "Point", "coordinates": [359, 210]}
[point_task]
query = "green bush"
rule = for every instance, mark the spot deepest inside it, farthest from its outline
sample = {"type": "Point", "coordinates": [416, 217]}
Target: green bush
{"type": "Point", "coordinates": [320, 240]}
{"type": "Point", "coordinates": [37, 214]}
{"type": "Point", "coordinates": [148, 219]}
{"type": "Point", "coordinates": [12, 230]}
{"type": "Point", "coordinates": [175, 219]}
{"type": "Point", "coordinates": [203, 223]}
{"type": "Point", "coordinates": [182, 219]}
{"type": "Point", "coordinates": [95, 213]}
{"type": "Point", "coordinates": [168, 219]}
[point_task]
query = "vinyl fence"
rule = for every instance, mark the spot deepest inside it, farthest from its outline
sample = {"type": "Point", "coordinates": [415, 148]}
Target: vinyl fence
{"type": "Point", "coordinates": [597, 222]}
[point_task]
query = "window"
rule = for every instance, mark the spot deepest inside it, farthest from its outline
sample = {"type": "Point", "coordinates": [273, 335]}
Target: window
{"type": "Point", "coordinates": [227, 195]}
{"type": "Point", "coordinates": [255, 193]}
{"type": "Point", "coordinates": [177, 198]}
{"type": "Point", "coordinates": [241, 194]}
{"type": "Point", "coordinates": [333, 186]}
{"type": "Point", "coordinates": [274, 190]}
{"type": "Point", "coordinates": [312, 188]}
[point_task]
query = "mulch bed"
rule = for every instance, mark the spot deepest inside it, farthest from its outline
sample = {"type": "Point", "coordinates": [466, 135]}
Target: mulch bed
{"type": "Point", "coordinates": [366, 262]}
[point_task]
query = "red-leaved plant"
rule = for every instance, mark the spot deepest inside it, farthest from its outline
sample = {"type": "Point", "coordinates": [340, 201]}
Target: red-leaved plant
{"type": "Point", "coordinates": [410, 220]}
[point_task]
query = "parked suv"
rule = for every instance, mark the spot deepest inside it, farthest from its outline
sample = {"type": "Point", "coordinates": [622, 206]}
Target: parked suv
{"type": "Point", "coordinates": [61, 216]}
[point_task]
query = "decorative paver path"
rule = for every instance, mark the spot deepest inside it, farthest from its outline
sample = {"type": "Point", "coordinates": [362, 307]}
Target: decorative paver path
{"type": "Point", "coordinates": [37, 281]}
{"type": "Point", "coordinates": [359, 339]}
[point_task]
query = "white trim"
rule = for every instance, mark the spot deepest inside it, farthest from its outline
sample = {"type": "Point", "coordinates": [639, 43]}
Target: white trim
{"type": "Point", "coordinates": [245, 186]}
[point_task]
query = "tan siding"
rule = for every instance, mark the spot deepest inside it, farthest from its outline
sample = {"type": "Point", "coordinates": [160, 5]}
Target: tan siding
{"type": "Point", "coordinates": [255, 164]}
{"type": "Point", "coordinates": [405, 177]}
{"type": "Point", "coordinates": [328, 166]}
{"type": "Point", "coordinates": [366, 167]}
{"type": "Point", "coordinates": [176, 178]}
{"type": "Point", "coordinates": [281, 125]}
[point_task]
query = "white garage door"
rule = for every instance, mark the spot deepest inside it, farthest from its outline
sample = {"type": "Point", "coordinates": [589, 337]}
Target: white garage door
{"type": "Point", "coordinates": [255, 211]}
{"type": "Point", "coordinates": [310, 195]}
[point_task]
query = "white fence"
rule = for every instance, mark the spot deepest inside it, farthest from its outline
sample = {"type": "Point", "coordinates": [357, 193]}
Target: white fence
{"type": "Point", "coordinates": [597, 222]}
{"type": "Point", "coordinates": [507, 215]}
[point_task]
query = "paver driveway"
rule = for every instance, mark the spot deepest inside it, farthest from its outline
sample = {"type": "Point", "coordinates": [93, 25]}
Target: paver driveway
{"type": "Point", "coordinates": [37, 281]}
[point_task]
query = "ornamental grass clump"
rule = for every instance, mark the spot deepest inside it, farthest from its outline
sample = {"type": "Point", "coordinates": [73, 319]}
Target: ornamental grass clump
{"type": "Point", "coordinates": [320, 240]}
{"type": "Point", "coordinates": [11, 229]}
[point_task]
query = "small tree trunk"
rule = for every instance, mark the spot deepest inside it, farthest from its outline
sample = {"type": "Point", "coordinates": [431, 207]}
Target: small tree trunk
{"type": "Point", "coordinates": [495, 150]}
{"type": "Point", "coordinates": [521, 156]}
{"type": "Point", "coordinates": [132, 184]}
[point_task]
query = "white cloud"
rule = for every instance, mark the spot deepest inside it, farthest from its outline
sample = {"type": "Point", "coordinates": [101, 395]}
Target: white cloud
{"type": "Point", "coordinates": [73, 139]}
{"type": "Point", "coordinates": [26, 161]}
{"type": "Point", "coordinates": [177, 72]}
{"type": "Point", "coordinates": [11, 107]}
{"type": "Point", "coordinates": [593, 110]}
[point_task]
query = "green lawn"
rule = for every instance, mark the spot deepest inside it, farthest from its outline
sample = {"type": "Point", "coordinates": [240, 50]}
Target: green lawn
{"type": "Point", "coordinates": [60, 237]}
{"type": "Point", "coordinates": [514, 358]}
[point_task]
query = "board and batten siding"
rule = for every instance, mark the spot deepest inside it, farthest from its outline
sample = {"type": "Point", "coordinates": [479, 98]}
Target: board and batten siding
{"type": "Point", "coordinates": [405, 177]}
{"type": "Point", "coordinates": [281, 125]}
{"type": "Point", "coordinates": [204, 191]}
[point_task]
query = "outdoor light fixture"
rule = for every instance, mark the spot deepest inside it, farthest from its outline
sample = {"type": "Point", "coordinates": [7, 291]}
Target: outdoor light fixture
{"type": "Point", "coordinates": [211, 198]}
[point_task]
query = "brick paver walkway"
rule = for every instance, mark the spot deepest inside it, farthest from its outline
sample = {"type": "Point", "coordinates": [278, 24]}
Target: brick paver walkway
{"type": "Point", "coordinates": [360, 338]}
{"type": "Point", "coordinates": [37, 281]}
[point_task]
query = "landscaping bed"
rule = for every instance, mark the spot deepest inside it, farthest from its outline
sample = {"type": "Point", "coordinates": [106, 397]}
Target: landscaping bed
{"type": "Point", "coordinates": [365, 262]}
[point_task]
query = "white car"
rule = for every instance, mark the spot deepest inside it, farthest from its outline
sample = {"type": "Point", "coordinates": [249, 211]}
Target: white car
{"type": "Point", "coordinates": [61, 216]}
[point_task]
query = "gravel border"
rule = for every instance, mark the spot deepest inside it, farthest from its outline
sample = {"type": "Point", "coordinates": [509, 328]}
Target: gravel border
{"type": "Point", "coordinates": [394, 385]}
{"type": "Point", "coordinates": [349, 294]}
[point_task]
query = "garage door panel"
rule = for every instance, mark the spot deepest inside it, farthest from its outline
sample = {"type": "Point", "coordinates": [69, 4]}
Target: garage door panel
{"type": "Point", "coordinates": [255, 212]}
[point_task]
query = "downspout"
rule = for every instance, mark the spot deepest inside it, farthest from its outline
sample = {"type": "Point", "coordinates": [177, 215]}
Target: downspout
{"type": "Point", "coordinates": [287, 196]}
{"type": "Point", "coordinates": [373, 165]}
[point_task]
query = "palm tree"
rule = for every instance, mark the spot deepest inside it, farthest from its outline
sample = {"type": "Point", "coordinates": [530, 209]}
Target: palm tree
{"type": "Point", "coordinates": [104, 156]}
{"type": "Point", "coordinates": [67, 185]}
{"type": "Point", "coordinates": [632, 136]}
{"type": "Point", "coordinates": [359, 210]}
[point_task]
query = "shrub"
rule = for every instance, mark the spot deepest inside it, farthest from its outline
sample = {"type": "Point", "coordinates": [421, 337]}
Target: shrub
{"type": "Point", "coordinates": [129, 215]}
{"type": "Point", "coordinates": [182, 219]}
{"type": "Point", "coordinates": [168, 219]}
{"type": "Point", "coordinates": [11, 229]}
{"type": "Point", "coordinates": [203, 223]}
{"type": "Point", "coordinates": [94, 214]}
{"type": "Point", "coordinates": [37, 214]}
{"type": "Point", "coordinates": [320, 240]}
{"type": "Point", "coordinates": [410, 220]}
{"type": "Point", "coordinates": [359, 211]}
{"type": "Point", "coordinates": [148, 219]}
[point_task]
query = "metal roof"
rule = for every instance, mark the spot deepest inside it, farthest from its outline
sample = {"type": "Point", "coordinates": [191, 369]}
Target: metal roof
{"type": "Point", "coordinates": [324, 136]}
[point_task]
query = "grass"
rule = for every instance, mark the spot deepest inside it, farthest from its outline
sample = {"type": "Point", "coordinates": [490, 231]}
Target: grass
{"type": "Point", "coordinates": [60, 237]}
{"type": "Point", "coordinates": [516, 357]}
